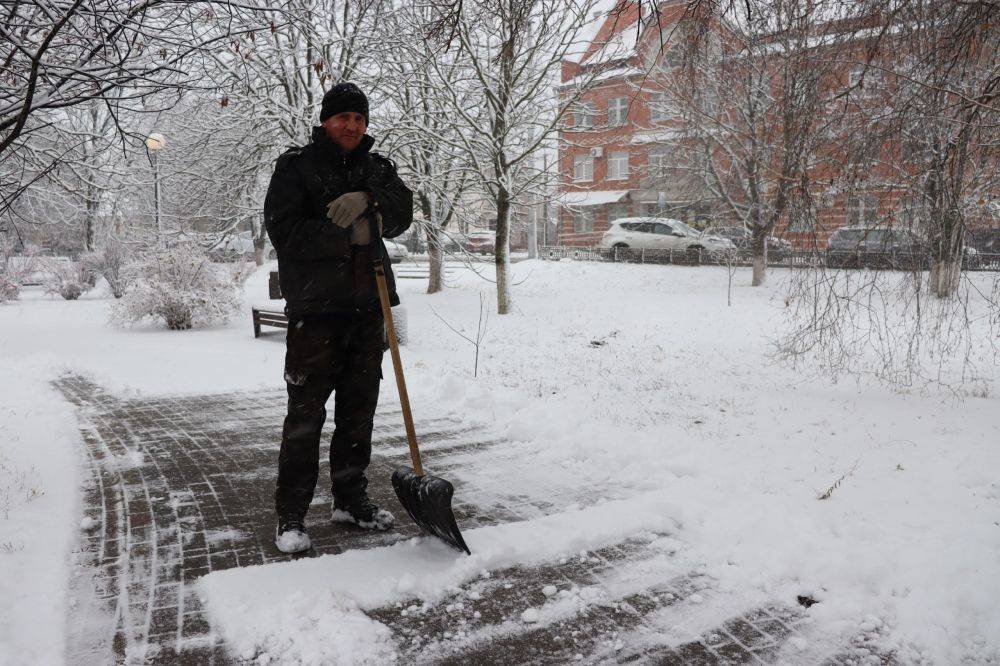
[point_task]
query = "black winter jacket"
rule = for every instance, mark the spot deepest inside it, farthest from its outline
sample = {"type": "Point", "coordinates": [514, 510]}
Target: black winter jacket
{"type": "Point", "coordinates": [319, 271]}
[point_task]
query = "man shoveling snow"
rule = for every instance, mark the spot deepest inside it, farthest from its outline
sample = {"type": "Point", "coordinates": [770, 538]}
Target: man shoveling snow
{"type": "Point", "coordinates": [318, 212]}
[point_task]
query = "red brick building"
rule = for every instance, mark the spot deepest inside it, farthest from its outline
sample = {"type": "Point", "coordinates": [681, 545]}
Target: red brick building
{"type": "Point", "coordinates": [619, 154]}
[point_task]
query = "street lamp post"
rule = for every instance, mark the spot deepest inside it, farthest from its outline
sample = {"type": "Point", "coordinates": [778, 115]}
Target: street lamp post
{"type": "Point", "coordinates": [156, 142]}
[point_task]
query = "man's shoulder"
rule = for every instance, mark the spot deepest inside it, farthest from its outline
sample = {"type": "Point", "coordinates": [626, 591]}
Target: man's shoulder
{"type": "Point", "coordinates": [381, 162]}
{"type": "Point", "coordinates": [292, 152]}
{"type": "Point", "coordinates": [291, 156]}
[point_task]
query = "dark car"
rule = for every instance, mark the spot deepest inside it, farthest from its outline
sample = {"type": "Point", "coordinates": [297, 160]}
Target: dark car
{"type": "Point", "coordinates": [860, 247]}
{"type": "Point", "coordinates": [479, 242]}
{"type": "Point", "coordinates": [742, 239]}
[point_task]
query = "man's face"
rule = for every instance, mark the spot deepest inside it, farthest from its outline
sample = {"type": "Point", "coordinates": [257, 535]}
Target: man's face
{"type": "Point", "coordinates": [346, 129]}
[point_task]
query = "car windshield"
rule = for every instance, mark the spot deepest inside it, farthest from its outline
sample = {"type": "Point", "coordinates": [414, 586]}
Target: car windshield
{"type": "Point", "coordinates": [683, 228]}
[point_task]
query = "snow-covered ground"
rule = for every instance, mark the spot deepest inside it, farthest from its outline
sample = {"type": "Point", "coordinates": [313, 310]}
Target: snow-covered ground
{"type": "Point", "coordinates": [633, 388]}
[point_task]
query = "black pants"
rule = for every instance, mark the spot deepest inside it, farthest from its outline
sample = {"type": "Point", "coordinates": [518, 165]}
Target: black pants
{"type": "Point", "coordinates": [341, 355]}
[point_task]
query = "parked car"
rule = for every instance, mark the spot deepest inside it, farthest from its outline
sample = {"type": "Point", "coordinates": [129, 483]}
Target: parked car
{"type": "Point", "coordinates": [479, 242]}
{"type": "Point", "coordinates": [859, 247]}
{"type": "Point", "coordinates": [397, 251]}
{"type": "Point", "coordinates": [742, 238]}
{"type": "Point", "coordinates": [660, 233]}
{"type": "Point", "coordinates": [231, 247]}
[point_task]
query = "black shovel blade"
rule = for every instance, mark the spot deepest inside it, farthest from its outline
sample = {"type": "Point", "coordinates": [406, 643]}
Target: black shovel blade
{"type": "Point", "coordinates": [428, 501]}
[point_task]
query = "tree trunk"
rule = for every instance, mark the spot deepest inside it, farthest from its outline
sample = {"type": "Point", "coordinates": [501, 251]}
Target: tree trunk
{"type": "Point", "coordinates": [759, 260]}
{"type": "Point", "coordinates": [90, 222]}
{"type": "Point", "coordinates": [258, 244]}
{"type": "Point", "coordinates": [436, 254]}
{"type": "Point", "coordinates": [502, 252]}
{"type": "Point", "coordinates": [948, 274]}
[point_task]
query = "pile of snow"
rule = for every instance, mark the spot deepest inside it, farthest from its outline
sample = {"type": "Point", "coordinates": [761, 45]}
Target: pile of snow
{"type": "Point", "coordinates": [39, 511]}
{"type": "Point", "coordinates": [309, 611]}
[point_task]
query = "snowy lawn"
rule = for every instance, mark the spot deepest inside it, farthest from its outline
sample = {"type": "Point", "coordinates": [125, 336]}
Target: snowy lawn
{"type": "Point", "coordinates": [631, 390]}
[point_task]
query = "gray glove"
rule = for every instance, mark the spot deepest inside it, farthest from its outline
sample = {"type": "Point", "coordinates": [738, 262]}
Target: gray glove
{"type": "Point", "coordinates": [346, 208]}
{"type": "Point", "coordinates": [361, 233]}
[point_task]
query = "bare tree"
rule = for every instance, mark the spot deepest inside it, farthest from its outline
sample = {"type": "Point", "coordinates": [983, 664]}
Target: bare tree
{"type": "Point", "coordinates": [424, 138]}
{"type": "Point", "coordinates": [922, 131]}
{"type": "Point", "coordinates": [750, 102]}
{"type": "Point", "coordinates": [65, 53]}
{"type": "Point", "coordinates": [946, 116]}
{"type": "Point", "coordinates": [506, 105]}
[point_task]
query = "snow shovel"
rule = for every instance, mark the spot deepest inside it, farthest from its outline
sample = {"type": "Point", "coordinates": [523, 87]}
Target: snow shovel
{"type": "Point", "coordinates": [426, 498]}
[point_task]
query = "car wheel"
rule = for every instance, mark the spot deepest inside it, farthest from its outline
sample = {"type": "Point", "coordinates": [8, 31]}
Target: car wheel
{"type": "Point", "coordinates": [620, 252]}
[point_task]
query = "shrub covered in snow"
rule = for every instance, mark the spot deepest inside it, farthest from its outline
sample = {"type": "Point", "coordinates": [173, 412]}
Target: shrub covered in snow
{"type": "Point", "coordinates": [110, 263]}
{"type": "Point", "coordinates": [181, 287]}
{"type": "Point", "coordinates": [9, 289]}
{"type": "Point", "coordinates": [69, 279]}
{"type": "Point", "coordinates": [14, 269]}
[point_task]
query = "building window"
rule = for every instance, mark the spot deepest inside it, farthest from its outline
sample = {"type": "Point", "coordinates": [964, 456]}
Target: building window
{"type": "Point", "coordinates": [583, 168]}
{"type": "Point", "coordinates": [617, 211]}
{"type": "Point", "coordinates": [617, 166]}
{"type": "Point", "coordinates": [658, 108]}
{"type": "Point", "coordinates": [862, 211]}
{"type": "Point", "coordinates": [672, 57]}
{"type": "Point", "coordinates": [583, 220]}
{"type": "Point", "coordinates": [617, 110]}
{"type": "Point", "coordinates": [658, 163]}
{"type": "Point", "coordinates": [584, 115]}
{"type": "Point", "coordinates": [855, 75]}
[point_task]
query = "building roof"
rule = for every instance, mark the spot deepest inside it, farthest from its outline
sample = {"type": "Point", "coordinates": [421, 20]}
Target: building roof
{"type": "Point", "coordinates": [590, 197]}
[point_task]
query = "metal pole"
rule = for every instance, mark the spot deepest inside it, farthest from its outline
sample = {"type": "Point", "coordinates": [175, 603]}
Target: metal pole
{"type": "Point", "coordinates": [156, 196]}
{"type": "Point", "coordinates": [533, 234]}
{"type": "Point", "coordinates": [545, 203]}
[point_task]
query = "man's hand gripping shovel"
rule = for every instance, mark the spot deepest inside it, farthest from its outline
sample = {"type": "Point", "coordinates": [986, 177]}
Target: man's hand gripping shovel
{"type": "Point", "coordinates": [425, 497]}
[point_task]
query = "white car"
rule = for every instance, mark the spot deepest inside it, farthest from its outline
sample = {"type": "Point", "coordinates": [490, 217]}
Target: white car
{"type": "Point", "coordinates": [397, 251]}
{"type": "Point", "coordinates": [660, 233]}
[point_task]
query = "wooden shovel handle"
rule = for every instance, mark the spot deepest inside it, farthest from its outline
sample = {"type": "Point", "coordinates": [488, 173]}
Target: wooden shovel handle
{"type": "Point", "coordinates": [397, 366]}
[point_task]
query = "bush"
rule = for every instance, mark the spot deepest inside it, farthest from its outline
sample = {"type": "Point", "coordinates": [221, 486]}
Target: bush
{"type": "Point", "coordinates": [14, 269]}
{"type": "Point", "coordinates": [110, 262]}
{"type": "Point", "coordinates": [181, 287]}
{"type": "Point", "coordinates": [9, 290]}
{"type": "Point", "coordinates": [69, 279]}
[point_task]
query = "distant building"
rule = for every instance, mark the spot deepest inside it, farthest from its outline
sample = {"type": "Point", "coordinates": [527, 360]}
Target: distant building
{"type": "Point", "coordinates": [619, 156]}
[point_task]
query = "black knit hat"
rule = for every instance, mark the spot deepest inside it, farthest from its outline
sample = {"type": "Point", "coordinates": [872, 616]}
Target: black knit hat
{"type": "Point", "coordinates": [344, 97]}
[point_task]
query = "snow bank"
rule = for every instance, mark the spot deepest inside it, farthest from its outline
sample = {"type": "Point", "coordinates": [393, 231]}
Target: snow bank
{"type": "Point", "coordinates": [39, 484]}
{"type": "Point", "coordinates": [309, 610]}
{"type": "Point", "coordinates": [148, 358]}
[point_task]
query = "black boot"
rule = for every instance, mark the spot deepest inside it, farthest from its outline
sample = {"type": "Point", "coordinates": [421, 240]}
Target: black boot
{"type": "Point", "coordinates": [291, 535]}
{"type": "Point", "coordinates": [362, 511]}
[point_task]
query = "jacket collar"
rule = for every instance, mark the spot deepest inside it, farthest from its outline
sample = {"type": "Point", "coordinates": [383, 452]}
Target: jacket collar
{"type": "Point", "coordinates": [325, 144]}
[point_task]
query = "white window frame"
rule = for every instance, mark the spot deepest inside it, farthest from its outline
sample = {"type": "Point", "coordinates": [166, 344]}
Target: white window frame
{"type": "Point", "coordinates": [854, 75]}
{"type": "Point", "coordinates": [658, 160]}
{"type": "Point", "coordinates": [862, 210]}
{"type": "Point", "coordinates": [584, 115]}
{"type": "Point", "coordinates": [583, 219]}
{"type": "Point", "coordinates": [658, 108]}
{"type": "Point", "coordinates": [617, 110]}
{"type": "Point", "coordinates": [618, 165]}
{"type": "Point", "coordinates": [583, 168]}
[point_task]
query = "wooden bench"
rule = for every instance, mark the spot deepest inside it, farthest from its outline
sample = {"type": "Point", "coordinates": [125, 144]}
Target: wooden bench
{"type": "Point", "coordinates": [418, 271]}
{"type": "Point", "coordinates": [268, 316]}
{"type": "Point", "coordinates": [262, 317]}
